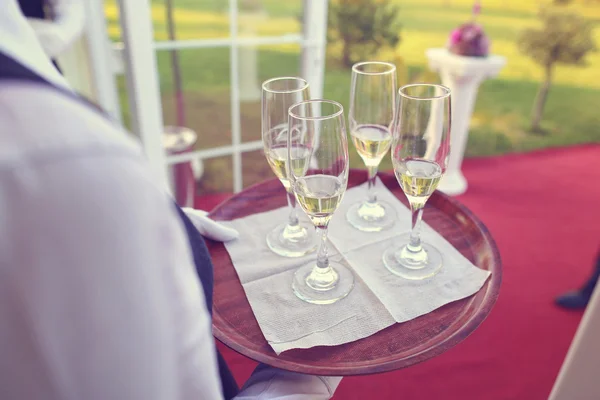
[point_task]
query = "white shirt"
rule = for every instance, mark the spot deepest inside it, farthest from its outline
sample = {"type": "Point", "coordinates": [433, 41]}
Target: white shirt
{"type": "Point", "coordinates": [58, 35]}
{"type": "Point", "coordinates": [98, 294]}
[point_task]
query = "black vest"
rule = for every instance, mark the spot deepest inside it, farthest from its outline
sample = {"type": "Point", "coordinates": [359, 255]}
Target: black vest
{"type": "Point", "coordinates": [10, 69]}
{"type": "Point", "coordinates": [33, 8]}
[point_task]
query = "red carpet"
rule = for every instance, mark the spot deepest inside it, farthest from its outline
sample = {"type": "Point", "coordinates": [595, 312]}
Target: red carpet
{"type": "Point", "coordinates": [543, 210]}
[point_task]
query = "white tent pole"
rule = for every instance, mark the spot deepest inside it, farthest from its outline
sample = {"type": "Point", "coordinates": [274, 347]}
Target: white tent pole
{"type": "Point", "coordinates": [142, 81]}
{"type": "Point", "coordinates": [236, 129]}
{"type": "Point", "coordinates": [100, 59]}
{"type": "Point", "coordinates": [315, 42]}
{"type": "Point", "coordinates": [578, 377]}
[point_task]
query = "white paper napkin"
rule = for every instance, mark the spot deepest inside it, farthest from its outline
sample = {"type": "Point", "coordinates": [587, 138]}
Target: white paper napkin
{"type": "Point", "coordinates": [379, 298]}
{"type": "Point", "coordinates": [404, 299]}
{"type": "Point", "coordinates": [286, 321]}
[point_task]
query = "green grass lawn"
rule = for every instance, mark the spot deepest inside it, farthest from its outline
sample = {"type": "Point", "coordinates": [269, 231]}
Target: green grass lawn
{"type": "Point", "coordinates": [501, 117]}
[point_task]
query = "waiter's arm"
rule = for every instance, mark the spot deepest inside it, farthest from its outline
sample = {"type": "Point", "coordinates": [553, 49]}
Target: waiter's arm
{"type": "Point", "coordinates": [98, 297]}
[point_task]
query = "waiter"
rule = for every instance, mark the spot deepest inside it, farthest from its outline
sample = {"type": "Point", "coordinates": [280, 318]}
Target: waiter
{"type": "Point", "coordinates": [99, 289]}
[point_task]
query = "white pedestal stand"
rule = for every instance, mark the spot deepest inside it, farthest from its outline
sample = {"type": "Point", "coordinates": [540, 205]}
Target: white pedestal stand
{"type": "Point", "coordinates": [250, 88]}
{"type": "Point", "coordinates": [462, 75]}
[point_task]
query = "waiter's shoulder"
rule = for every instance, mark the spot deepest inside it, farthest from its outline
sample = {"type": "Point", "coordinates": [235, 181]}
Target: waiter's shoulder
{"type": "Point", "coordinates": [38, 123]}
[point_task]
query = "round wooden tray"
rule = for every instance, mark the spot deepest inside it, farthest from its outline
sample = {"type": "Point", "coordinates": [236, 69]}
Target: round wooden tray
{"type": "Point", "coordinates": [395, 347]}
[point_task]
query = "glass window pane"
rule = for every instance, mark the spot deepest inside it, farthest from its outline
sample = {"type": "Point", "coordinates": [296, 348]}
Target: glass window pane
{"type": "Point", "coordinates": [255, 168]}
{"type": "Point", "coordinates": [204, 94]}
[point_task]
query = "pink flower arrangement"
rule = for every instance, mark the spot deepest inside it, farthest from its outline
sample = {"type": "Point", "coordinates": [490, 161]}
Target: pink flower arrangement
{"type": "Point", "coordinates": [469, 39]}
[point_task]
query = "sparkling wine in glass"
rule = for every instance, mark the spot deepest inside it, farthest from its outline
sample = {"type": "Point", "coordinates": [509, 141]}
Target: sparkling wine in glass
{"type": "Point", "coordinates": [319, 183]}
{"type": "Point", "coordinates": [294, 238]}
{"type": "Point", "coordinates": [420, 149]}
{"type": "Point", "coordinates": [372, 114]}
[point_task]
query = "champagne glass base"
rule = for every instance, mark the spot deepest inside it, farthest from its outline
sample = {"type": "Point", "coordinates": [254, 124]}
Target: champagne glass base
{"type": "Point", "coordinates": [400, 261]}
{"type": "Point", "coordinates": [371, 217]}
{"type": "Point", "coordinates": [292, 241]}
{"type": "Point", "coordinates": [322, 287]}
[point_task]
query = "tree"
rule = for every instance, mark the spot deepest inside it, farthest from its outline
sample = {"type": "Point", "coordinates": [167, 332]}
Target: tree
{"type": "Point", "coordinates": [363, 27]}
{"type": "Point", "coordinates": [250, 5]}
{"type": "Point", "coordinates": [175, 67]}
{"type": "Point", "coordinates": [564, 38]}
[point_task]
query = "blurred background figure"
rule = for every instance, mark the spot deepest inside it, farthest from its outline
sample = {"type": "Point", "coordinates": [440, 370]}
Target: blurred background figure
{"type": "Point", "coordinates": [579, 299]}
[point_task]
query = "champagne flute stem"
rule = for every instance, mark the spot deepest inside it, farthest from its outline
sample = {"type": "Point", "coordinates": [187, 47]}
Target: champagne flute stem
{"type": "Point", "coordinates": [414, 244]}
{"type": "Point", "coordinates": [322, 276]}
{"type": "Point", "coordinates": [322, 257]}
{"type": "Point", "coordinates": [293, 218]}
{"type": "Point", "coordinates": [372, 195]}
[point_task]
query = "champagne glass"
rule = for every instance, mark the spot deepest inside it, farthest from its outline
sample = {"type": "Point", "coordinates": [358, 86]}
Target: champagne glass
{"type": "Point", "coordinates": [294, 238]}
{"type": "Point", "coordinates": [420, 149]}
{"type": "Point", "coordinates": [372, 114]}
{"type": "Point", "coordinates": [319, 179]}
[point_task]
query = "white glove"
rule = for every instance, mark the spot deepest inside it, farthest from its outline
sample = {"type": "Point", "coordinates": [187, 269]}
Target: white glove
{"type": "Point", "coordinates": [273, 383]}
{"type": "Point", "coordinates": [209, 228]}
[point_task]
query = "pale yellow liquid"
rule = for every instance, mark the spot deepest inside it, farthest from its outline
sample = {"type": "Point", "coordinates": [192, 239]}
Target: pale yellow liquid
{"type": "Point", "coordinates": [371, 142]}
{"type": "Point", "coordinates": [418, 179]}
{"type": "Point", "coordinates": [319, 196]}
{"type": "Point", "coordinates": [277, 158]}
